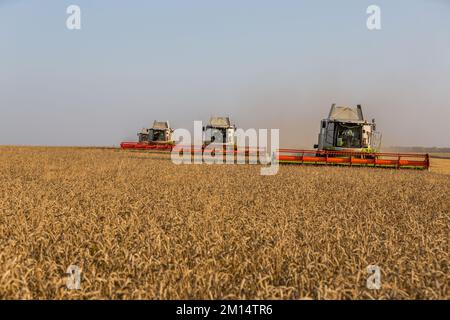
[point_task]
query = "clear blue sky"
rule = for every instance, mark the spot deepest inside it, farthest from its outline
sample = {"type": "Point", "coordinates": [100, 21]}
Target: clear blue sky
{"type": "Point", "coordinates": [267, 64]}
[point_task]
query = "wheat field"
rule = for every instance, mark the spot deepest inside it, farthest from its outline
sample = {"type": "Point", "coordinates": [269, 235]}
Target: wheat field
{"type": "Point", "coordinates": [140, 227]}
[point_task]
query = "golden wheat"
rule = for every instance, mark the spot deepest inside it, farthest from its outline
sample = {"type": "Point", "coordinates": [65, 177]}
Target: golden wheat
{"type": "Point", "coordinates": [142, 227]}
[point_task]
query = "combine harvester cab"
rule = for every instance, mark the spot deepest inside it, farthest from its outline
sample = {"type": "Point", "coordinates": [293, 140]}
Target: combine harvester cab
{"type": "Point", "coordinates": [345, 129]}
{"type": "Point", "coordinates": [346, 138]}
{"type": "Point", "coordinates": [160, 133]}
{"type": "Point", "coordinates": [158, 137]}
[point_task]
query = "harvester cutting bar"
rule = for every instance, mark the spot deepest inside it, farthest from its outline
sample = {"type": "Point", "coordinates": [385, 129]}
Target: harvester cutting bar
{"type": "Point", "coordinates": [146, 146]}
{"type": "Point", "coordinates": [221, 150]}
{"type": "Point", "coordinates": [392, 160]}
{"type": "Point", "coordinates": [294, 156]}
{"type": "Point", "coordinates": [192, 149]}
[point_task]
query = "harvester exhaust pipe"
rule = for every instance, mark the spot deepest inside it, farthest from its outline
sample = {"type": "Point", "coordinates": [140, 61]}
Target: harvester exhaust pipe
{"type": "Point", "coordinates": [332, 110]}
{"type": "Point", "coordinates": [360, 113]}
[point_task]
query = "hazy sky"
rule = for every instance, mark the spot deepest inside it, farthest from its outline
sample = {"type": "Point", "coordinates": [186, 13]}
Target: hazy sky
{"type": "Point", "coordinates": [267, 64]}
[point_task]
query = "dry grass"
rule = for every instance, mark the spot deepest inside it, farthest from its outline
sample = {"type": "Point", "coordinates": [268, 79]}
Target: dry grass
{"type": "Point", "coordinates": [440, 165]}
{"type": "Point", "coordinates": [141, 227]}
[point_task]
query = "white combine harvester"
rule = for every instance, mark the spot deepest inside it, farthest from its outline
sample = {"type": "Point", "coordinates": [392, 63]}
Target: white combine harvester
{"type": "Point", "coordinates": [345, 129]}
{"type": "Point", "coordinates": [159, 133]}
{"type": "Point", "coordinates": [219, 131]}
{"type": "Point", "coordinates": [345, 138]}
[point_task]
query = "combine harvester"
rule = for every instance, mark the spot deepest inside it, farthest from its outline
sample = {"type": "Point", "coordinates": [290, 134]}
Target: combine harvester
{"type": "Point", "coordinates": [219, 131]}
{"type": "Point", "coordinates": [158, 137]}
{"type": "Point", "coordinates": [346, 138]}
{"type": "Point", "coordinates": [220, 137]}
